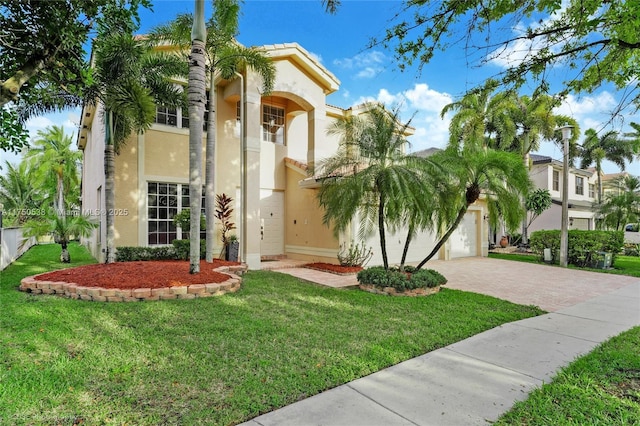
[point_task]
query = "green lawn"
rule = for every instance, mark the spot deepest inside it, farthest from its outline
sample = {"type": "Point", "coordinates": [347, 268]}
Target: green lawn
{"type": "Point", "coordinates": [601, 388]}
{"type": "Point", "coordinates": [209, 361]}
{"type": "Point", "coordinates": [624, 265]}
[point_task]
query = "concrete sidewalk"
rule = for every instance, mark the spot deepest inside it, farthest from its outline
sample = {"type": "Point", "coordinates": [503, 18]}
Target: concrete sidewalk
{"type": "Point", "coordinates": [474, 381]}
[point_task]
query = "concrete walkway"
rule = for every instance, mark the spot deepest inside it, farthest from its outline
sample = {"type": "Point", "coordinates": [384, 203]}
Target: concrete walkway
{"type": "Point", "coordinates": [474, 381]}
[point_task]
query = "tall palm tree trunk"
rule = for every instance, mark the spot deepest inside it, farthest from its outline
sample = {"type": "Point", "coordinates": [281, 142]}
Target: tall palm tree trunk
{"type": "Point", "coordinates": [109, 190]}
{"type": "Point", "coordinates": [59, 204]}
{"type": "Point", "coordinates": [196, 96]}
{"type": "Point", "coordinates": [210, 172]}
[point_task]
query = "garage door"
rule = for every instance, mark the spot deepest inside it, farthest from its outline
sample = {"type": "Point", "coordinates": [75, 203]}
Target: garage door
{"type": "Point", "coordinates": [463, 241]}
{"type": "Point", "coordinates": [579, 223]}
{"type": "Point", "coordinates": [420, 246]}
{"type": "Point", "coordinates": [272, 222]}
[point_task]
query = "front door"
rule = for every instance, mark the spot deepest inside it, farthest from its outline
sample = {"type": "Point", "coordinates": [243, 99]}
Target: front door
{"type": "Point", "coordinates": [271, 222]}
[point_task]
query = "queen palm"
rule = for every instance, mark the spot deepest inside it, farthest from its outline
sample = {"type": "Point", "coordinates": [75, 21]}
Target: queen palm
{"type": "Point", "coordinates": [130, 78]}
{"type": "Point", "coordinates": [501, 176]}
{"type": "Point", "coordinates": [608, 146]}
{"type": "Point", "coordinates": [225, 57]}
{"type": "Point", "coordinates": [370, 178]}
{"type": "Point", "coordinates": [55, 165]}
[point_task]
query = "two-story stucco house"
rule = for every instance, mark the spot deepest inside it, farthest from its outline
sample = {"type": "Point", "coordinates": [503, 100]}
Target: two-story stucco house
{"type": "Point", "coordinates": [546, 173]}
{"type": "Point", "coordinates": [265, 145]}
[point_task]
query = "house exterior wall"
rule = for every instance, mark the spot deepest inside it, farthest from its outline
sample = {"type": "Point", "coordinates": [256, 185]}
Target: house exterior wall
{"type": "Point", "coordinates": [243, 161]}
{"type": "Point", "coordinates": [581, 212]}
{"type": "Point", "coordinates": [307, 237]}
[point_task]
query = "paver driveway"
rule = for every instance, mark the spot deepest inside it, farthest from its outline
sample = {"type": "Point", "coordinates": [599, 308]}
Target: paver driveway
{"type": "Point", "coordinates": [549, 287]}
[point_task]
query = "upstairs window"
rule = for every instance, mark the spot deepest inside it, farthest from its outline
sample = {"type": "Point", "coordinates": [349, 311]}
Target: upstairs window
{"type": "Point", "coordinates": [273, 124]}
{"type": "Point", "coordinates": [556, 180]}
{"type": "Point", "coordinates": [579, 185]}
{"type": "Point", "coordinates": [592, 190]}
{"type": "Point", "coordinates": [167, 116]}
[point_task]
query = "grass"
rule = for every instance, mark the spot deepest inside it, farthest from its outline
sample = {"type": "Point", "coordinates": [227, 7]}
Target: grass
{"type": "Point", "coordinates": [210, 361]}
{"type": "Point", "coordinates": [601, 388]}
{"type": "Point", "coordinates": [624, 265]}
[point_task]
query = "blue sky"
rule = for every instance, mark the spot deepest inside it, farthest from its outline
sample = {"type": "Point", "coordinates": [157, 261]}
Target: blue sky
{"type": "Point", "coordinates": [340, 41]}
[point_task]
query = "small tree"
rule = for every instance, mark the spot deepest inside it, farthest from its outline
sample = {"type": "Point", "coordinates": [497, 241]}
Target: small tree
{"type": "Point", "coordinates": [536, 202]}
{"type": "Point", "coordinates": [63, 228]}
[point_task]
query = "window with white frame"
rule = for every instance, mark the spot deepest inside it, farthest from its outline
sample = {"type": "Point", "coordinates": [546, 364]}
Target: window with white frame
{"type": "Point", "coordinates": [556, 180]}
{"type": "Point", "coordinates": [164, 201]}
{"type": "Point", "coordinates": [205, 119]}
{"type": "Point", "coordinates": [579, 185]}
{"type": "Point", "coordinates": [273, 124]}
{"type": "Point", "coordinates": [592, 190]}
{"type": "Point", "coordinates": [166, 115]}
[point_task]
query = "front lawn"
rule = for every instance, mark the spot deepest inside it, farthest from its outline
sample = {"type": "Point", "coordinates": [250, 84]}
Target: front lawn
{"type": "Point", "coordinates": [209, 361]}
{"type": "Point", "coordinates": [624, 265]}
{"type": "Point", "coordinates": [601, 388]}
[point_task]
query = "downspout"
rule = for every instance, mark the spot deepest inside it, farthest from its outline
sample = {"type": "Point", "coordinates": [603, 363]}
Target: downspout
{"type": "Point", "coordinates": [243, 177]}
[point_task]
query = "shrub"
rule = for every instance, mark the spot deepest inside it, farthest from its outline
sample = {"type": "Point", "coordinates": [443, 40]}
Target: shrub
{"type": "Point", "coordinates": [355, 255]}
{"type": "Point", "coordinates": [181, 248]}
{"type": "Point", "coordinates": [584, 246]}
{"type": "Point", "coordinates": [632, 249]}
{"type": "Point", "coordinates": [381, 278]}
{"type": "Point", "coordinates": [183, 220]}
{"type": "Point", "coordinates": [130, 254]}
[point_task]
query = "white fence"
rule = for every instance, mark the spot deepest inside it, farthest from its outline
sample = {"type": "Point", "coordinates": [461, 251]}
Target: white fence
{"type": "Point", "coordinates": [12, 245]}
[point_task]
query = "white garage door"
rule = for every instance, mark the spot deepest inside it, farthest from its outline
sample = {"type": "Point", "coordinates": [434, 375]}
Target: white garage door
{"type": "Point", "coordinates": [464, 239]}
{"type": "Point", "coordinates": [272, 222]}
{"type": "Point", "coordinates": [420, 246]}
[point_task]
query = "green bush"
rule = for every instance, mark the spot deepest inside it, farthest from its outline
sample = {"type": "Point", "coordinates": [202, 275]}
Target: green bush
{"type": "Point", "coordinates": [130, 254]}
{"type": "Point", "coordinates": [182, 249]}
{"type": "Point", "coordinates": [584, 246]}
{"type": "Point", "coordinates": [632, 249]}
{"type": "Point", "coordinates": [381, 278]}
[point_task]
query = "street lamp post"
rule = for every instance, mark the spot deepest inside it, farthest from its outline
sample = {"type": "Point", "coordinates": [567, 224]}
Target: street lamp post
{"type": "Point", "coordinates": [564, 230]}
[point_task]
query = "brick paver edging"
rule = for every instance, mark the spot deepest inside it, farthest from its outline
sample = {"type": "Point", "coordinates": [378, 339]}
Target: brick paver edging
{"type": "Point", "coordinates": [99, 294]}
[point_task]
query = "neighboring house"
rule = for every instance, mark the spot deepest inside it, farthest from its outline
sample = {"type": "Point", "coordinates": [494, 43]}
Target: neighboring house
{"type": "Point", "coordinates": [546, 173]}
{"type": "Point", "coordinates": [266, 157]}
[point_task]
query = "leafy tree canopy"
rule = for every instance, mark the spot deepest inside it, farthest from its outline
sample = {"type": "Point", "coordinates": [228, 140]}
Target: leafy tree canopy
{"type": "Point", "coordinates": [43, 64]}
{"type": "Point", "coordinates": [597, 41]}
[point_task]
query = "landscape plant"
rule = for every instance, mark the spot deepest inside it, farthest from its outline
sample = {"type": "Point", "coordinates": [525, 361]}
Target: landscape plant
{"type": "Point", "coordinates": [63, 228]}
{"type": "Point", "coordinates": [584, 246]}
{"type": "Point", "coordinates": [354, 255]}
{"type": "Point", "coordinates": [224, 213]}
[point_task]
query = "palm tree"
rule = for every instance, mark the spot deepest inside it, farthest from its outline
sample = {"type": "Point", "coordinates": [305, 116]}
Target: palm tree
{"type": "Point", "coordinates": [225, 57]}
{"type": "Point", "coordinates": [56, 165]}
{"type": "Point", "coordinates": [19, 196]}
{"type": "Point", "coordinates": [130, 78]}
{"type": "Point", "coordinates": [623, 206]}
{"type": "Point", "coordinates": [370, 177]}
{"type": "Point", "coordinates": [500, 175]}
{"type": "Point", "coordinates": [63, 228]}
{"type": "Point", "coordinates": [608, 146]}
{"type": "Point", "coordinates": [197, 94]}
{"type": "Point", "coordinates": [482, 118]}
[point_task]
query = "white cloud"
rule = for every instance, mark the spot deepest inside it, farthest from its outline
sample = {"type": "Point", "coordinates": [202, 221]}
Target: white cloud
{"type": "Point", "coordinates": [365, 65]}
{"type": "Point", "coordinates": [602, 103]}
{"type": "Point", "coordinates": [426, 103]}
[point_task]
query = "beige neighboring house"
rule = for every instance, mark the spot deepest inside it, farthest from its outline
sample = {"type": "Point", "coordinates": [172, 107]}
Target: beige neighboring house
{"type": "Point", "coordinates": [261, 162]}
{"type": "Point", "coordinates": [546, 173]}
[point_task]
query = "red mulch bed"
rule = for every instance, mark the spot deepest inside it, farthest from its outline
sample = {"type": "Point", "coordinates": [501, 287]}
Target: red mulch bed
{"type": "Point", "coordinates": [148, 274]}
{"type": "Point", "coordinates": [335, 269]}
